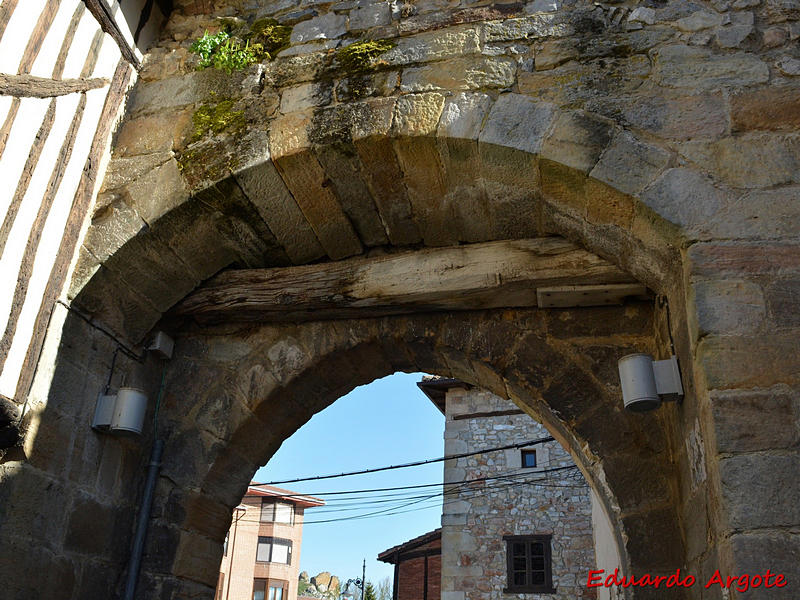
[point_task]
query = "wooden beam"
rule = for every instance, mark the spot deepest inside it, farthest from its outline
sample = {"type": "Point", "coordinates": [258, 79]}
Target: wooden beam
{"type": "Point", "coordinates": [29, 86]}
{"type": "Point", "coordinates": [107, 23]}
{"type": "Point", "coordinates": [490, 275]}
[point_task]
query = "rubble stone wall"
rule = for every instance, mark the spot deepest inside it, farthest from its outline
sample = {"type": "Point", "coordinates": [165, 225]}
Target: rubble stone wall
{"type": "Point", "coordinates": [475, 518]}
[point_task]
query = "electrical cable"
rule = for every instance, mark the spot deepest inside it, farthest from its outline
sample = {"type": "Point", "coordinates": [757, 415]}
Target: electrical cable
{"type": "Point", "coordinates": [402, 487]}
{"type": "Point", "coordinates": [438, 502]}
{"type": "Point", "coordinates": [415, 463]}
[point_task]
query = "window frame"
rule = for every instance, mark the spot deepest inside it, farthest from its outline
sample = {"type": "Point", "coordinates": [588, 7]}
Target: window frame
{"type": "Point", "coordinates": [271, 541]}
{"type": "Point", "coordinates": [273, 504]}
{"type": "Point", "coordinates": [282, 586]}
{"type": "Point", "coordinates": [522, 454]}
{"type": "Point", "coordinates": [529, 588]}
{"type": "Point", "coordinates": [257, 581]}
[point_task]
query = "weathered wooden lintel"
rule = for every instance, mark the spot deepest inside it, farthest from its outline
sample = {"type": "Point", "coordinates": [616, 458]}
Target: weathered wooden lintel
{"type": "Point", "coordinates": [502, 274]}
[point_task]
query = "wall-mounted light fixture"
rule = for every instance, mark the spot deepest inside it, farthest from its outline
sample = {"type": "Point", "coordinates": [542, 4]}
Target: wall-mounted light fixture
{"type": "Point", "coordinates": [124, 412]}
{"type": "Point", "coordinates": [646, 383]}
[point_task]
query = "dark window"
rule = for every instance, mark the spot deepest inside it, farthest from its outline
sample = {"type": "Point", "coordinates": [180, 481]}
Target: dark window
{"type": "Point", "coordinates": [225, 545]}
{"type": "Point", "coordinates": [259, 589]}
{"type": "Point", "coordinates": [274, 550]}
{"type": "Point", "coordinates": [528, 458]}
{"type": "Point", "coordinates": [277, 512]}
{"type": "Point", "coordinates": [529, 564]}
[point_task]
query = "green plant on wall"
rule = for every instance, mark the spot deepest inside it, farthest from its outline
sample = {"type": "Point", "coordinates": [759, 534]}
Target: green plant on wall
{"type": "Point", "coordinates": [231, 53]}
{"type": "Point", "coordinates": [223, 52]}
{"type": "Point", "coordinates": [360, 57]}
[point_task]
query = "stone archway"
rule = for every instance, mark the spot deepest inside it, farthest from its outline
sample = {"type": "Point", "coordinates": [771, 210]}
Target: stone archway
{"type": "Point", "coordinates": [266, 381]}
{"type": "Point", "coordinates": [291, 189]}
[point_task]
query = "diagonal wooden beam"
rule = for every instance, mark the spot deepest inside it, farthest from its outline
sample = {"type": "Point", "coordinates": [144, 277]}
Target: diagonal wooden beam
{"type": "Point", "coordinates": [477, 276]}
{"type": "Point", "coordinates": [103, 16]}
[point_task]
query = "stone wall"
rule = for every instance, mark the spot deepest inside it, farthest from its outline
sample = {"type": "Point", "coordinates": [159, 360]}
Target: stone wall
{"type": "Point", "coordinates": [659, 135]}
{"type": "Point", "coordinates": [475, 518]}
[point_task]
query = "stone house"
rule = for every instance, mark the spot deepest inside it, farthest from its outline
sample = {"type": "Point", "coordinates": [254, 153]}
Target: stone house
{"type": "Point", "coordinates": [525, 527]}
{"type": "Point", "coordinates": [261, 558]}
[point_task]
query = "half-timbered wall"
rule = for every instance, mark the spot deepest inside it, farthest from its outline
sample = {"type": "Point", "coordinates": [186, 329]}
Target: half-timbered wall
{"type": "Point", "coordinates": [65, 66]}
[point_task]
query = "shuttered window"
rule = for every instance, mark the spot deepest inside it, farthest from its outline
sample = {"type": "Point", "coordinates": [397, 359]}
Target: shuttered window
{"type": "Point", "coordinates": [529, 562]}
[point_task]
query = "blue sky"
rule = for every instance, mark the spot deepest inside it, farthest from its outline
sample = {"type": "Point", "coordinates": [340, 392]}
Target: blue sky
{"type": "Point", "coordinates": [387, 422]}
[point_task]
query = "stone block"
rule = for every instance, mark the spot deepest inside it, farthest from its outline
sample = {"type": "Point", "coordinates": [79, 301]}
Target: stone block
{"type": "Point", "coordinates": [629, 164]}
{"type": "Point", "coordinates": [778, 551]}
{"type": "Point", "coordinates": [733, 34]}
{"type": "Point", "coordinates": [264, 187]}
{"type": "Point", "coordinates": [680, 118]}
{"type": "Point", "coordinates": [436, 45]}
{"type": "Point", "coordinates": [653, 538]}
{"type": "Point", "coordinates": [772, 108]}
{"type": "Point", "coordinates": [305, 96]}
{"type": "Point", "coordinates": [385, 180]}
{"type": "Point", "coordinates": [699, 20]}
{"type": "Point", "coordinates": [90, 527]}
{"type": "Point", "coordinates": [526, 28]}
{"type": "Point", "coordinates": [755, 420]}
{"type": "Point", "coordinates": [371, 118]}
{"type": "Point", "coordinates": [372, 15]}
{"type": "Point", "coordinates": [111, 228]}
{"type": "Point", "coordinates": [783, 298]}
{"type": "Point", "coordinates": [674, 197]}
{"type": "Point", "coordinates": [417, 114]}
{"type": "Point", "coordinates": [764, 215]}
{"type": "Point", "coordinates": [308, 184]}
{"type": "Point", "coordinates": [344, 169]}
{"type": "Point", "coordinates": [197, 558]}
{"type": "Point", "coordinates": [326, 27]}
{"type": "Point", "coordinates": [118, 306]}
{"type": "Point", "coordinates": [518, 122]}
{"type": "Point", "coordinates": [728, 306]}
{"type": "Point", "coordinates": [463, 115]}
{"type": "Point", "coordinates": [680, 66]}
{"type": "Point", "coordinates": [752, 161]}
{"type": "Point", "coordinates": [744, 259]}
{"type": "Point", "coordinates": [460, 74]}
{"type": "Point", "coordinates": [577, 140]}
{"type": "Point", "coordinates": [157, 192]}
{"type": "Point", "coordinates": [555, 52]}
{"type": "Point", "coordinates": [739, 361]}
{"type": "Point", "coordinates": [605, 205]}
{"type": "Point", "coordinates": [774, 504]}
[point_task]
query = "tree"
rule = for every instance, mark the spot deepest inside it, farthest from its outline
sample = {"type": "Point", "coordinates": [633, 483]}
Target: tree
{"type": "Point", "coordinates": [385, 589]}
{"type": "Point", "coordinates": [369, 592]}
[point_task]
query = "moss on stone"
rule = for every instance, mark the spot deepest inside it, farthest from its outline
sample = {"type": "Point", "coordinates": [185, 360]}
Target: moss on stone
{"type": "Point", "coordinates": [360, 57]}
{"type": "Point", "coordinates": [269, 36]}
{"type": "Point", "coordinates": [216, 118]}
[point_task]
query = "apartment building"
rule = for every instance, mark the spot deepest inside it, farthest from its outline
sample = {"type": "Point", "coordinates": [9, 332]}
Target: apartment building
{"type": "Point", "coordinates": [261, 559]}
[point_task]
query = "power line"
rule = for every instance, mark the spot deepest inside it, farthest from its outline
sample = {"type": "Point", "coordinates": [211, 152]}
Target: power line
{"type": "Point", "coordinates": [403, 487]}
{"type": "Point", "coordinates": [440, 502]}
{"type": "Point", "coordinates": [415, 463]}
